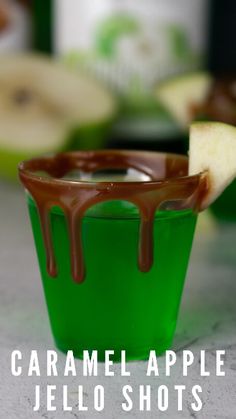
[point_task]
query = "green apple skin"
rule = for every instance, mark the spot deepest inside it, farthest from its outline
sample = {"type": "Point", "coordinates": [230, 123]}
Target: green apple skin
{"type": "Point", "coordinates": [9, 162]}
{"type": "Point", "coordinates": [88, 137]}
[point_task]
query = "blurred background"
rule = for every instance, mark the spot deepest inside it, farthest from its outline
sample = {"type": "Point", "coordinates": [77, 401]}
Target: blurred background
{"type": "Point", "coordinates": [120, 74]}
{"type": "Point", "coordinates": [85, 74]}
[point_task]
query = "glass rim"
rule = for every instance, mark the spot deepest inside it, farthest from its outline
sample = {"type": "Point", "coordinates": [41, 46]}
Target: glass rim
{"type": "Point", "coordinates": [26, 169]}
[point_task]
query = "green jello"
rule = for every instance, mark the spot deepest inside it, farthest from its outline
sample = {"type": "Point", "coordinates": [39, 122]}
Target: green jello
{"type": "Point", "coordinates": [117, 306]}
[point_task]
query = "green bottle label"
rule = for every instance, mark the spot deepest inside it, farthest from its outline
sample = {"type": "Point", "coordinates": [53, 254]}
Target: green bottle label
{"type": "Point", "coordinates": [131, 45]}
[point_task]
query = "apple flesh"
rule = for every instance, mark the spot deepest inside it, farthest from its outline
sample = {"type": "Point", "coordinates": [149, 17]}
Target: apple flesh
{"type": "Point", "coordinates": [179, 95]}
{"type": "Point", "coordinates": [213, 149]}
{"type": "Point", "coordinates": [46, 107]}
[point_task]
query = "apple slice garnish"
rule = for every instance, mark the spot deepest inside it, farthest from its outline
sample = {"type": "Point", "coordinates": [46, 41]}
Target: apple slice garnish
{"type": "Point", "coordinates": [43, 103]}
{"type": "Point", "coordinates": [212, 148]}
{"type": "Point", "coordinates": [180, 95]}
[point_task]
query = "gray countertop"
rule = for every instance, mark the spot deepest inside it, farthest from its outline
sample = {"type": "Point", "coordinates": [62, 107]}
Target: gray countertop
{"type": "Point", "coordinates": [207, 321]}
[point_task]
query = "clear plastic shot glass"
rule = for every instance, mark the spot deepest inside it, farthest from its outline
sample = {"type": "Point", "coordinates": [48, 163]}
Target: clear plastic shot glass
{"type": "Point", "coordinates": [113, 232]}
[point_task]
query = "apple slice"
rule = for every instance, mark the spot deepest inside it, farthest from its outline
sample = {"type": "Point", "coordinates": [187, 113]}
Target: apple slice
{"type": "Point", "coordinates": [179, 95]}
{"type": "Point", "coordinates": [42, 103]}
{"type": "Point", "coordinates": [213, 149]}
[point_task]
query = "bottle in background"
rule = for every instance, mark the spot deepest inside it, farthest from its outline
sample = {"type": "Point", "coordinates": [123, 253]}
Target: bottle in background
{"type": "Point", "coordinates": [130, 45]}
{"type": "Point", "coordinates": [222, 57]}
{"type": "Point", "coordinates": [222, 99]}
{"type": "Point", "coordinates": [43, 24]}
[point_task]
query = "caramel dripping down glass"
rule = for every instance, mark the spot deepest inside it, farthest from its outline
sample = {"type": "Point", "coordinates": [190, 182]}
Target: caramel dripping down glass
{"type": "Point", "coordinates": [113, 254]}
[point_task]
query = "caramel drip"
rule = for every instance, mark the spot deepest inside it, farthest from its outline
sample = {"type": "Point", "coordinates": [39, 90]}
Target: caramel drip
{"type": "Point", "coordinates": [77, 259]}
{"type": "Point", "coordinates": [76, 197]}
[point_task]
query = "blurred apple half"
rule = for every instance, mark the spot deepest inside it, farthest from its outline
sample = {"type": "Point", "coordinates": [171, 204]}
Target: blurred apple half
{"type": "Point", "coordinates": [46, 107]}
{"type": "Point", "coordinates": [182, 93]}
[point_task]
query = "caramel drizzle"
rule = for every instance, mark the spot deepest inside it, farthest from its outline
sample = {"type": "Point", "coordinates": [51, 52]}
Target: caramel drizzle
{"type": "Point", "coordinates": [76, 197]}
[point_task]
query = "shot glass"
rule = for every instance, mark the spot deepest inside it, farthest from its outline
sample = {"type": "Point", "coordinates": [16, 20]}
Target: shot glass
{"type": "Point", "coordinates": [113, 232]}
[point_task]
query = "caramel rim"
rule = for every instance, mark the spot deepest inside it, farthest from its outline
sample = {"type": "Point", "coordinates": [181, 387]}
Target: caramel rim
{"type": "Point", "coordinates": [76, 197]}
{"type": "Point", "coordinates": [26, 168]}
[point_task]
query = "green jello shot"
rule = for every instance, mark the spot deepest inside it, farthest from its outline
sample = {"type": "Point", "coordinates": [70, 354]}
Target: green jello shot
{"type": "Point", "coordinates": [118, 305]}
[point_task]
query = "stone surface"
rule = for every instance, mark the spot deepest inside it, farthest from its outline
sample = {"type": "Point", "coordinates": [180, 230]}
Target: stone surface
{"type": "Point", "coordinates": [207, 321]}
